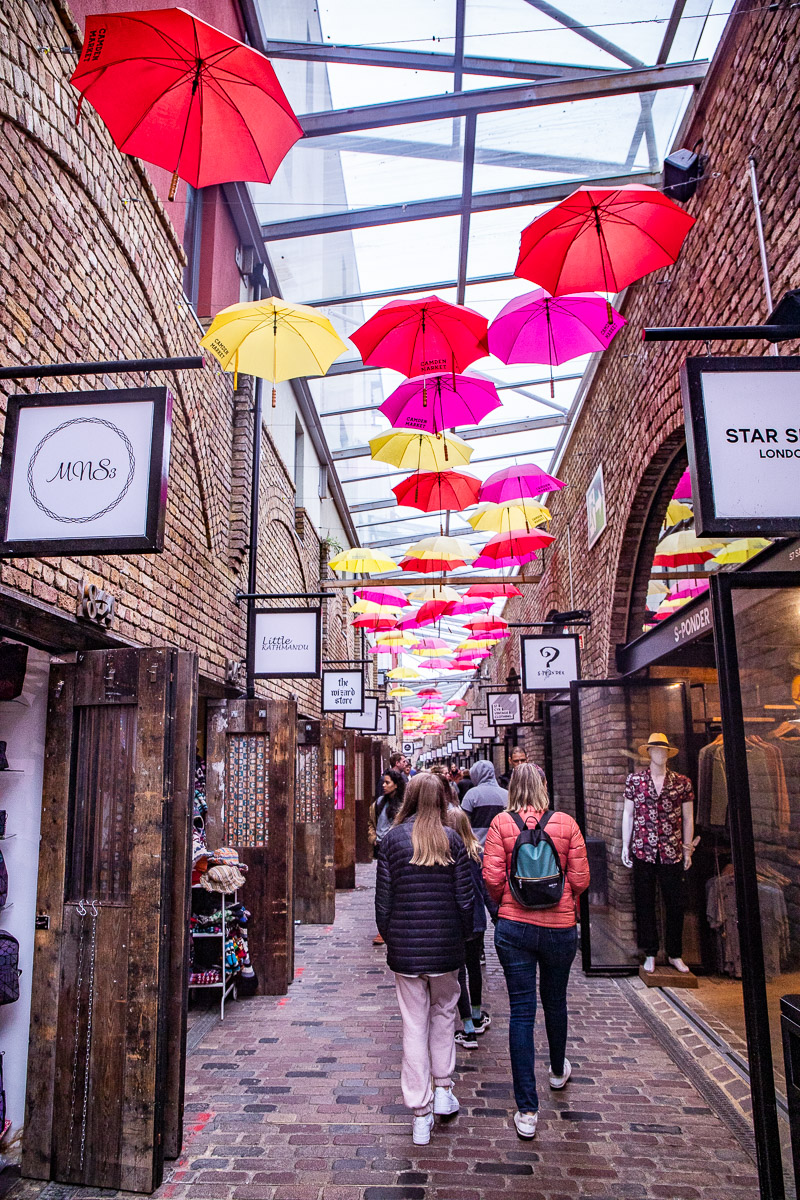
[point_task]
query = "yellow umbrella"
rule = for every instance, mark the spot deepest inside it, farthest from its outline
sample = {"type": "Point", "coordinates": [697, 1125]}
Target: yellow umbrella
{"type": "Point", "coordinates": [369, 606]}
{"type": "Point", "coordinates": [273, 339]}
{"type": "Point", "coordinates": [401, 691]}
{"type": "Point", "coordinates": [430, 652]}
{"type": "Point", "coordinates": [403, 673]}
{"type": "Point", "coordinates": [409, 449]}
{"type": "Point", "coordinates": [740, 550]}
{"type": "Point", "coordinates": [362, 561]}
{"type": "Point", "coordinates": [478, 643]}
{"type": "Point", "coordinates": [443, 592]}
{"type": "Point", "coordinates": [394, 638]}
{"type": "Point", "coordinates": [441, 550]}
{"type": "Point", "coordinates": [514, 514]}
{"type": "Point", "coordinates": [678, 511]}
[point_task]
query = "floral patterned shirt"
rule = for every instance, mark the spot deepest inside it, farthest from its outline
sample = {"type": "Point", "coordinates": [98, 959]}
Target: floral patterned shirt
{"type": "Point", "coordinates": [658, 819]}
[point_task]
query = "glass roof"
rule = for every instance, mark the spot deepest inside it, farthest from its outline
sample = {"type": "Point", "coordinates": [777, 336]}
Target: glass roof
{"type": "Point", "coordinates": [379, 205]}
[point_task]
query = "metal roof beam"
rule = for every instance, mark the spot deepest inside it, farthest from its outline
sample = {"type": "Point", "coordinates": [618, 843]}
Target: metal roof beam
{"type": "Point", "coordinates": [445, 206]}
{"type": "Point", "coordinates": [357, 297]}
{"type": "Point", "coordinates": [501, 387]}
{"type": "Point", "coordinates": [423, 60]}
{"type": "Point", "coordinates": [472, 434]}
{"type": "Point", "coordinates": [586, 32]}
{"type": "Point", "coordinates": [502, 99]}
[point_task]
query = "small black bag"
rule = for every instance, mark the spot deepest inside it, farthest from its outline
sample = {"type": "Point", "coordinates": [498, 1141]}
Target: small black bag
{"type": "Point", "coordinates": [9, 969]}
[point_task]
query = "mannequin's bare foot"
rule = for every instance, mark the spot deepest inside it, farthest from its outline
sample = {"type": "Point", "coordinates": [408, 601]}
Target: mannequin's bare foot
{"type": "Point", "coordinates": [679, 965]}
{"type": "Point", "coordinates": [650, 964]}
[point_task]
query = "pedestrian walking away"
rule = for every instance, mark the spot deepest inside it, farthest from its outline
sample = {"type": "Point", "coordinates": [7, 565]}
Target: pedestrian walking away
{"type": "Point", "coordinates": [485, 799]}
{"type": "Point", "coordinates": [382, 813]}
{"type": "Point", "coordinates": [470, 978]}
{"type": "Point", "coordinates": [527, 940]}
{"type": "Point", "coordinates": [424, 905]}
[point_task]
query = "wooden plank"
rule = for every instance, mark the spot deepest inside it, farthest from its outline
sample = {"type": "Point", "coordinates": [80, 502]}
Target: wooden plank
{"type": "Point", "coordinates": [184, 739]}
{"type": "Point", "coordinates": [42, 1053]}
{"type": "Point", "coordinates": [256, 898]}
{"type": "Point", "coordinates": [346, 820]}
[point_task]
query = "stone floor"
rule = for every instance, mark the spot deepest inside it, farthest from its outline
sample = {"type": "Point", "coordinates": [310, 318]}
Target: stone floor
{"type": "Point", "coordinates": [298, 1098]}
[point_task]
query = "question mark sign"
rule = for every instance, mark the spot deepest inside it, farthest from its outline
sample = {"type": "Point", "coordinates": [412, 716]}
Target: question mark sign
{"type": "Point", "coordinates": [549, 654]}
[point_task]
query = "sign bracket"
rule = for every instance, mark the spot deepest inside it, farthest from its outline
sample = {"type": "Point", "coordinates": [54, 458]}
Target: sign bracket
{"type": "Point", "coordinates": [117, 366]}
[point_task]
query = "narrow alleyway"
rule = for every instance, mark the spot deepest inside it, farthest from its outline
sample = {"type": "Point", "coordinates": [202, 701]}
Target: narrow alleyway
{"type": "Point", "coordinates": [298, 1098]}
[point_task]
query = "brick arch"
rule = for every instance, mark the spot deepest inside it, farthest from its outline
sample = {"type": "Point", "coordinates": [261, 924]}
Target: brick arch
{"type": "Point", "coordinates": [291, 540]}
{"type": "Point", "coordinates": [646, 515]}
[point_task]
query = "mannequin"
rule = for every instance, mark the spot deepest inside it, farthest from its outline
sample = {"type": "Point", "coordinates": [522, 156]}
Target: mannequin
{"type": "Point", "coordinates": [658, 843]}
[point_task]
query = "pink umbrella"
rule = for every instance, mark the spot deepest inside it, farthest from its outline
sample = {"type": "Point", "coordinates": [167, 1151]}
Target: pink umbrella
{"type": "Point", "coordinates": [458, 703]}
{"type": "Point", "coordinates": [684, 489]}
{"type": "Point", "coordinates": [493, 590]}
{"type": "Point", "coordinates": [536, 328]}
{"type": "Point", "coordinates": [518, 483]}
{"type": "Point", "coordinates": [437, 664]}
{"type": "Point", "coordinates": [506, 550]}
{"type": "Point", "coordinates": [487, 624]}
{"type": "Point", "coordinates": [436, 402]}
{"type": "Point", "coordinates": [468, 605]}
{"type": "Point", "coordinates": [689, 592]}
{"type": "Point", "coordinates": [383, 595]}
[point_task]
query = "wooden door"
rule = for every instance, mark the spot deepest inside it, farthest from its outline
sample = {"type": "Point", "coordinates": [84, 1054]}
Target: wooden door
{"type": "Point", "coordinates": [345, 815]}
{"type": "Point", "coordinates": [250, 790]}
{"type": "Point", "coordinates": [314, 873]}
{"type": "Point", "coordinates": [364, 797]}
{"type": "Point", "coordinates": [109, 986]}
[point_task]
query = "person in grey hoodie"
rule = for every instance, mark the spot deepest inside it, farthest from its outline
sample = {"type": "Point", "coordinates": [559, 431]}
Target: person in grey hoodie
{"type": "Point", "coordinates": [485, 799]}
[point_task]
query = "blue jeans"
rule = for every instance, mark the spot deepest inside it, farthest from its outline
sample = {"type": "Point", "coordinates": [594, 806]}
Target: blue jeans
{"type": "Point", "coordinates": [522, 948]}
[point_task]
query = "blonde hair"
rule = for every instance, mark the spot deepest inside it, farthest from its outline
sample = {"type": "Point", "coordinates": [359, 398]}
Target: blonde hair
{"type": "Point", "coordinates": [426, 799]}
{"type": "Point", "coordinates": [457, 819]}
{"type": "Point", "coordinates": [527, 789]}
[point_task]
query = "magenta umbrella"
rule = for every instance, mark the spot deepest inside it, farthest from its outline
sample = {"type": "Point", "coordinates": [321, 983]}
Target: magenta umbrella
{"type": "Point", "coordinates": [536, 328]}
{"type": "Point", "coordinates": [433, 403]}
{"type": "Point", "coordinates": [684, 489]}
{"type": "Point", "coordinates": [518, 483]}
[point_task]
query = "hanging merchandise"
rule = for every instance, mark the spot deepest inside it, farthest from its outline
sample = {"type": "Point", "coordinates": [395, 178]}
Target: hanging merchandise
{"type": "Point", "coordinates": [224, 873]}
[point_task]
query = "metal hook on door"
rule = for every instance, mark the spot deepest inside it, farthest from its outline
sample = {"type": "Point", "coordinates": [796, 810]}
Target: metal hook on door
{"type": "Point", "coordinates": [81, 908]}
{"type": "Point", "coordinates": [95, 913]}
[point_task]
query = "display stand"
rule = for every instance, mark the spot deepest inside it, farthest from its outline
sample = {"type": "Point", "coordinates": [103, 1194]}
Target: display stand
{"type": "Point", "coordinates": [669, 977]}
{"type": "Point", "coordinates": [226, 983]}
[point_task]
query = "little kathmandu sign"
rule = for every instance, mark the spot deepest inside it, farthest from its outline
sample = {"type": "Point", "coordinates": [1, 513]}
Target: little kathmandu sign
{"type": "Point", "coordinates": [285, 643]}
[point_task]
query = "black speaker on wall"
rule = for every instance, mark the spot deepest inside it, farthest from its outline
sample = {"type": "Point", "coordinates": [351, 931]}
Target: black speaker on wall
{"type": "Point", "coordinates": [683, 170]}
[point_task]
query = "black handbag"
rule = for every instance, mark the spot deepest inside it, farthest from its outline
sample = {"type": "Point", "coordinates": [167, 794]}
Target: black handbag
{"type": "Point", "coordinates": [9, 969]}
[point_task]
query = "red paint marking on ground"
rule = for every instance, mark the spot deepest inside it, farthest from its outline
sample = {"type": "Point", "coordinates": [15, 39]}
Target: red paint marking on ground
{"type": "Point", "coordinates": [181, 1170]}
{"type": "Point", "coordinates": [298, 972]}
{"type": "Point", "coordinates": [284, 1000]}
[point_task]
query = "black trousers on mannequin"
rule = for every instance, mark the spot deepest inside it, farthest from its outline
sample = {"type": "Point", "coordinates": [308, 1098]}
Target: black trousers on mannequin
{"type": "Point", "coordinates": [669, 877]}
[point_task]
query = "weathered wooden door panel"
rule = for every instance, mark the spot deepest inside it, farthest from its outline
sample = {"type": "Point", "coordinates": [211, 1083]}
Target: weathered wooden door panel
{"type": "Point", "coordinates": [250, 789]}
{"type": "Point", "coordinates": [314, 873]}
{"type": "Point", "coordinates": [364, 797]}
{"type": "Point", "coordinates": [98, 1082]}
{"type": "Point", "coordinates": [345, 825]}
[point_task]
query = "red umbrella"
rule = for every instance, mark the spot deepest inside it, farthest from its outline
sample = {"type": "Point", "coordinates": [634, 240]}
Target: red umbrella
{"type": "Point", "coordinates": [436, 402]}
{"type": "Point", "coordinates": [458, 703]}
{"type": "Point", "coordinates": [420, 337]}
{"type": "Point", "coordinates": [383, 595]}
{"type": "Point", "coordinates": [430, 691]}
{"type": "Point", "coordinates": [487, 624]}
{"type": "Point", "coordinates": [493, 590]}
{"type": "Point", "coordinates": [518, 483]}
{"type": "Point", "coordinates": [602, 239]}
{"type": "Point", "coordinates": [427, 614]}
{"type": "Point", "coordinates": [438, 491]}
{"type": "Point", "coordinates": [185, 96]}
{"type": "Point", "coordinates": [508, 549]}
{"type": "Point", "coordinates": [374, 622]}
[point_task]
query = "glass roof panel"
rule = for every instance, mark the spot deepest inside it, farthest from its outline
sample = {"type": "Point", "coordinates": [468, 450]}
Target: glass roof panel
{"type": "Point", "coordinates": [409, 25]}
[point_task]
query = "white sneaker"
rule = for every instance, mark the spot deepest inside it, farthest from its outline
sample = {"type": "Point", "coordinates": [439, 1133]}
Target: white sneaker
{"type": "Point", "coordinates": [444, 1102]}
{"type": "Point", "coordinates": [558, 1081]}
{"type": "Point", "coordinates": [421, 1132]}
{"type": "Point", "coordinates": [526, 1124]}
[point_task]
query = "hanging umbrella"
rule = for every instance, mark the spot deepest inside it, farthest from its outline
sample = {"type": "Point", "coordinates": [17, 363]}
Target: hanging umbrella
{"type": "Point", "coordinates": [602, 239]}
{"type": "Point", "coordinates": [684, 489]}
{"type": "Point", "coordinates": [273, 339]}
{"type": "Point", "coordinates": [431, 592]}
{"type": "Point", "coordinates": [493, 590]}
{"type": "Point", "coordinates": [518, 483]}
{"type": "Point", "coordinates": [430, 612]}
{"type": "Point", "coordinates": [436, 554]}
{"type": "Point", "coordinates": [430, 691]}
{"type": "Point", "coordinates": [677, 511]}
{"type": "Point", "coordinates": [684, 549]}
{"type": "Point", "coordinates": [383, 595]}
{"type": "Point", "coordinates": [369, 606]}
{"type": "Point", "coordinates": [486, 624]}
{"type": "Point", "coordinates": [394, 637]}
{"type": "Point", "coordinates": [185, 96]}
{"type": "Point", "coordinates": [438, 491]}
{"type": "Point", "coordinates": [360, 560]}
{"type": "Point", "coordinates": [690, 590]}
{"type": "Point", "coordinates": [405, 448]}
{"type": "Point", "coordinates": [509, 549]}
{"type": "Point", "coordinates": [401, 691]}
{"type": "Point", "coordinates": [429, 645]}
{"type": "Point", "coordinates": [467, 606]}
{"type": "Point", "coordinates": [420, 337]}
{"type": "Point", "coordinates": [538, 328]}
{"type": "Point", "coordinates": [503, 518]}
{"type": "Point", "coordinates": [403, 673]}
{"type": "Point", "coordinates": [740, 550]}
{"type": "Point", "coordinates": [656, 591]}
{"type": "Point", "coordinates": [374, 622]}
{"type": "Point", "coordinates": [436, 402]}
{"type": "Point", "coordinates": [460, 703]}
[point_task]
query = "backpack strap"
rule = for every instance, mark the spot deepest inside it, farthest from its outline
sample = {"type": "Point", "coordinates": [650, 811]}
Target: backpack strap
{"type": "Point", "coordinates": [545, 817]}
{"type": "Point", "coordinates": [520, 824]}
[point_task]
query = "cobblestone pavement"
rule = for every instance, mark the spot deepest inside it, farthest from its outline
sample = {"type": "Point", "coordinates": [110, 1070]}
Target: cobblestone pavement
{"type": "Point", "coordinates": [298, 1098]}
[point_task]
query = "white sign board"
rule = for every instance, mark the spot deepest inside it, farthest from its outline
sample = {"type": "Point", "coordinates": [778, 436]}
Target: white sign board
{"type": "Point", "coordinates": [382, 727]}
{"type": "Point", "coordinates": [342, 691]}
{"type": "Point", "coordinates": [504, 708]}
{"type": "Point", "coordinates": [549, 664]}
{"type": "Point", "coordinates": [408, 747]}
{"type": "Point", "coordinates": [285, 643]}
{"type": "Point", "coordinates": [468, 737]}
{"type": "Point", "coordinates": [365, 721]}
{"type": "Point", "coordinates": [481, 727]}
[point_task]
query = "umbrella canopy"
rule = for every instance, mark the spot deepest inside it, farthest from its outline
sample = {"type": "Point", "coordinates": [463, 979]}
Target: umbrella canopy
{"type": "Point", "coordinates": [434, 592]}
{"type": "Point", "coordinates": [467, 605]}
{"type": "Point", "coordinates": [602, 239]}
{"type": "Point", "coordinates": [375, 622]}
{"type": "Point", "coordinates": [437, 664]}
{"type": "Point", "coordinates": [360, 560]}
{"type": "Point", "coordinates": [403, 673]}
{"type": "Point", "coordinates": [508, 549]}
{"type": "Point", "coordinates": [369, 606]}
{"type": "Point", "coordinates": [656, 591]}
{"type": "Point", "coordinates": [401, 691]}
{"type": "Point", "coordinates": [394, 637]}
{"type": "Point", "coordinates": [437, 402]}
{"type": "Point", "coordinates": [428, 645]}
{"type": "Point", "coordinates": [518, 483]}
{"type": "Point", "coordinates": [419, 337]}
{"type": "Point", "coordinates": [513, 514]}
{"type": "Point", "coordinates": [437, 554]}
{"type": "Point", "coordinates": [740, 550]}
{"type": "Point", "coordinates": [383, 595]}
{"type": "Point", "coordinates": [677, 511]}
{"type": "Point", "coordinates": [684, 489]}
{"type": "Point", "coordinates": [273, 339]}
{"type": "Point", "coordinates": [420, 451]}
{"type": "Point", "coordinates": [684, 549]}
{"type": "Point", "coordinates": [690, 591]}
{"type": "Point", "coordinates": [461, 703]}
{"type": "Point", "coordinates": [430, 691]}
{"type": "Point", "coordinates": [486, 624]}
{"type": "Point", "coordinates": [432, 611]}
{"type": "Point", "coordinates": [438, 491]}
{"type": "Point", "coordinates": [185, 96]}
{"type": "Point", "coordinates": [494, 590]}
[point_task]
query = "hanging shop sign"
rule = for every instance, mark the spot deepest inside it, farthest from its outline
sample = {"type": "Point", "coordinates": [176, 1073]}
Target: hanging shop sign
{"type": "Point", "coordinates": [408, 747]}
{"type": "Point", "coordinates": [382, 727]}
{"type": "Point", "coordinates": [392, 725]}
{"type": "Point", "coordinates": [365, 721]}
{"type": "Point", "coordinates": [468, 736]}
{"type": "Point", "coordinates": [549, 664]}
{"type": "Point", "coordinates": [342, 691]}
{"type": "Point", "coordinates": [504, 708]}
{"type": "Point", "coordinates": [481, 727]}
{"type": "Point", "coordinates": [85, 473]}
{"type": "Point", "coordinates": [285, 643]}
{"type": "Point", "coordinates": [596, 507]}
{"type": "Point", "coordinates": [743, 437]}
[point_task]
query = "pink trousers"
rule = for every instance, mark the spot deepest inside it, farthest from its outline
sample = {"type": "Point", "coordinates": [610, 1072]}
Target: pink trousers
{"type": "Point", "coordinates": [428, 1005]}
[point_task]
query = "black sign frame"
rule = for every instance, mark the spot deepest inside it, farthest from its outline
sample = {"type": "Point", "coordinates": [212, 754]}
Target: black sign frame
{"type": "Point", "coordinates": [341, 671]}
{"type": "Point", "coordinates": [152, 541]}
{"type": "Point", "coordinates": [251, 645]}
{"type": "Point", "coordinates": [546, 637]}
{"type": "Point", "coordinates": [503, 724]}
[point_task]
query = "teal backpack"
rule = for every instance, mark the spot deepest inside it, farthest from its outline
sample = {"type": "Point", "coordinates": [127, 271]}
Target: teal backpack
{"type": "Point", "coordinates": [535, 875]}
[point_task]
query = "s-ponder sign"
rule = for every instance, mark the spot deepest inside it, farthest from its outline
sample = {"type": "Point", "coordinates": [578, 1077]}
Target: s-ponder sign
{"type": "Point", "coordinates": [549, 664]}
{"type": "Point", "coordinates": [743, 437]}
{"type": "Point", "coordinates": [285, 643]}
{"type": "Point", "coordinates": [342, 691]}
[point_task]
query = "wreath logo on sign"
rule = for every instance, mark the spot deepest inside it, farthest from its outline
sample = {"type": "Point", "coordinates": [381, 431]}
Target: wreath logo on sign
{"type": "Point", "coordinates": [48, 512]}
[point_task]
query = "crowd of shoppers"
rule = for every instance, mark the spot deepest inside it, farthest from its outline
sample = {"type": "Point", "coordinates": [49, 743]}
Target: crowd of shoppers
{"type": "Point", "coordinates": [441, 864]}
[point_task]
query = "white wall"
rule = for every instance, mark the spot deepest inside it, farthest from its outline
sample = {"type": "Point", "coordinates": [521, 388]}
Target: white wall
{"type": "Point", "coordinates": [22, 727]}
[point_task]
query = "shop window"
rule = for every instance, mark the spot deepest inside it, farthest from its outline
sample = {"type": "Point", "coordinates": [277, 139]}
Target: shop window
{"type": "Point", "coordinates": [247, 802]}
{"type": "Point", "coordinates": [192, 236]}
{"type": "Point", "coordinates": [306, 794]}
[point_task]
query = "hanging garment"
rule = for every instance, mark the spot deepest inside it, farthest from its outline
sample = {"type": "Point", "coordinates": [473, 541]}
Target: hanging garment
{"type": "Point", "coordinates": [712, 786]}
{"type": "Point", "coordinates": [723, 919]}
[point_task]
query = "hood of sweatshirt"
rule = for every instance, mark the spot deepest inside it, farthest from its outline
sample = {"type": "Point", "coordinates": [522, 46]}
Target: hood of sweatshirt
{"type": "Point", "coordinates": [482, 772]}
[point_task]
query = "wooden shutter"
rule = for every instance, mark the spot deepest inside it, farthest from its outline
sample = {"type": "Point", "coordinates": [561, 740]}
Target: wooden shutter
{"type": "Point", "coordinates": [364, 797]}
{"type": "Point", "coordinates": [314, 875]}
{"type": "Point", "coordinates": [345, 824]}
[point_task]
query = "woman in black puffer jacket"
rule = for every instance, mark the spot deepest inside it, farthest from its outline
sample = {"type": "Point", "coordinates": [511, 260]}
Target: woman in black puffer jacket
{"type": "Point", "coordinates": [423, 909]}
